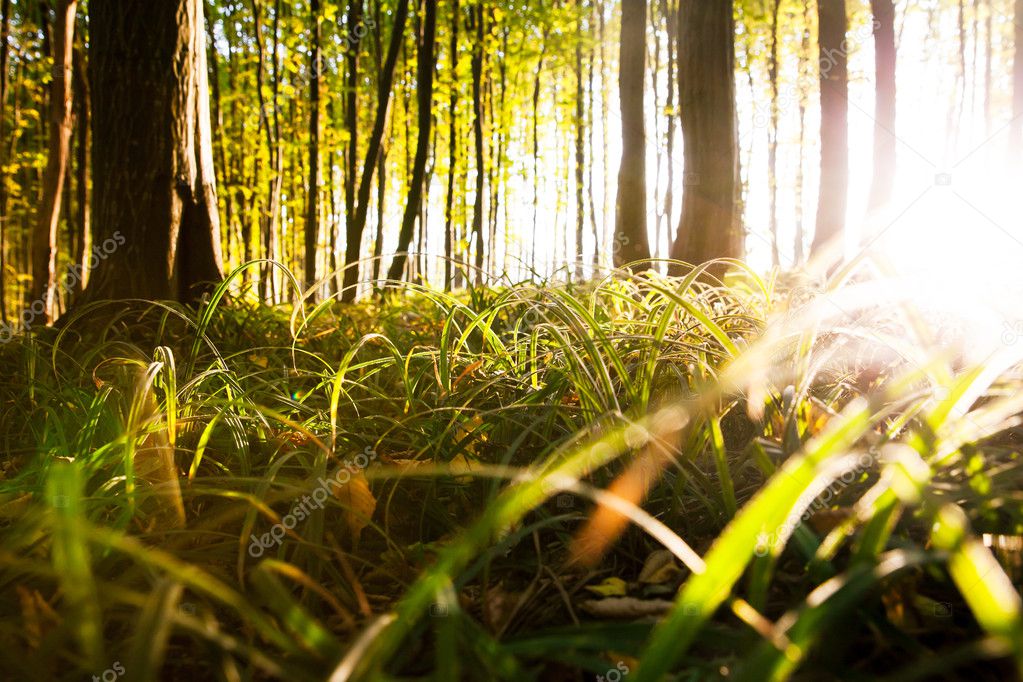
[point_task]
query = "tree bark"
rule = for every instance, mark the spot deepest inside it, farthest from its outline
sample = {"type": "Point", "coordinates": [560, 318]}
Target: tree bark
{"type": "Point", "coordinates": [356, 227]}
{"type": "Point", "coordinates": [44, 237]}
{"type": "Point", "coordinates": [834, 78]}
{"type": "Point", "coordinates": [631, 242]}
{"type": "Point", "coordinates": [154, 189]}
{"type": "Point", "coordinates": [83, 156]}
{"type": "Point", "coordinates": [424, 91]}
{"type": "Point", "coordinates": [709, 226]}
{"type": "Point", "coordinates": [885, 110]}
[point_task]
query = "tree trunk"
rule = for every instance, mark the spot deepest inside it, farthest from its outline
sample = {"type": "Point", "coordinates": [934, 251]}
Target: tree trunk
{"type": "Point", "coordinates": [834, 175]}
{"type": "Point", "coordinates": [580, 147]}
{"type": "Point", "coordinates": [449, 222]}
{"type": "Point", "coordinates": [5, 27]}
{"type": "Point", "coordinates": [155, 199]}
{"type": "Point", "coordinates": [772, 142]}
{"type": "Point", "coordinates": [1016, 134]}
{"type": "Point", "coordinates": [631, 242]}
{"type": "Point", "coordinates": [884, 114]}
{"type": "Point", "coordinates": [312, 217]}
{"type": "Point", "coordinates": [424, 91]}
{"type": "Point", "coordinates": [477, 127]}
{"type": "Point", "coordinates": [84, 154]}
{"type": "Point", "coordinates": [44, 237]}
{"type": "Point", "coordinates": [356, 227]}
{"type": "Point", "coordinates": [709, 226]}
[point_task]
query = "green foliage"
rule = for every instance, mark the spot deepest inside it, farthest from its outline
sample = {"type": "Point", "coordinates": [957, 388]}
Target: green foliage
{"type": "Point", "coordinates": [484, 420]}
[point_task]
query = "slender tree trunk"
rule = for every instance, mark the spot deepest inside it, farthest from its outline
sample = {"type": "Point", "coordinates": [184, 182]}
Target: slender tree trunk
{"type": "Point", "coordinates": [709, 226]}
{"type": "Point", "coordinates": [671, 12]}
{"type": "Point", "coordinates": [536, 149]}
{"type": "Point", "coordinates": [631, 240]}
{"type": "Point", "coordinates": [424, 86]}
{"type": "Point", "coordinates": [355, 12]}
{"type": "Point", "coordinates": [580, 148]}
{"type": "Point", "coordinates": [154, 187]}
{"type": "Point", "coordinates": [477, 127]}
{"type": "Point", "coordinates": [772, 142]}
{"type": "Point", "coordinates": [44, 237]}
{"type": "Point", "coordinates": [1016, 132]}
{"type": "Point", "coordinates": [449, 222]}
{"type": "Point", "coordinates": [356, 227]}
{"type": "Point", "coordinates": [312, 218]}
{"type": "Point", "coordinates": [834, 175]}
{"type": "Point", "coordinates": [885, 110]}
{"type": "Point", "coordinates": [5, 27]}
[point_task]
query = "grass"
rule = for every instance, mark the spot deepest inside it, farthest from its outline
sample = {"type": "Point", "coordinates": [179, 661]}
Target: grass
{"type": "Point", "coordinates": [440, 486]}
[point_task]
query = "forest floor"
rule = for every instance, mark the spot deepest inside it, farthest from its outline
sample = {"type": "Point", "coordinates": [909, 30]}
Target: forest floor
{"type": "Point", "coordinates": [408, 489]}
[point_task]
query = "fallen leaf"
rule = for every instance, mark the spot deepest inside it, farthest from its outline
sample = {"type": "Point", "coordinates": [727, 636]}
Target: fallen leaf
{"type": "Point", "coordinates": [612, 587]}
{"type": "Point", "coordinates": [359, 503]}
{"type": "Point", "coordinates": [659, 568]}
{"type": "Point", "coordinates": [626, 607]}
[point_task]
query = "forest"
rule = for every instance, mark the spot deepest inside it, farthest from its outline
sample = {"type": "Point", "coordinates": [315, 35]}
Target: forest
{"type": "Point", "coordinates": [640, 340]}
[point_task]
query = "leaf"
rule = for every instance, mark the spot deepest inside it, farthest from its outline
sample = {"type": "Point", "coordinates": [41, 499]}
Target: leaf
{"type": "Point", "coordinates": [659, 568]}
{"type": "Point", "coordinates": [358, 501]}
{"type": "Point", "coordinates": [626, 607]}
{"type": "Point", "coordinates": [612, 587]}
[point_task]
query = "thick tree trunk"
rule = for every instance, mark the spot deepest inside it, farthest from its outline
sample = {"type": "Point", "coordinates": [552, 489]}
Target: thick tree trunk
{"type": "Point", "coordinates": [631, 242]}
{"type": "Point", "coordinates": [312, 217]}
{"type": "Point", "coordinates": [44, 237]}
{"type": "Point", "coordinates": [424, 92]}
{"type": "Point", "coordinates": [155, 204]}
{"type": "Point", "coordinates": [885, 111]}
{"type": "Point", "coordinates": [356, 226]}
{"type": "Point", "coordinates": [709, 226]}
{"type": "Point", "coordinates": [83, 157]}
{"type": "Point", "coordinates": [834, 175]}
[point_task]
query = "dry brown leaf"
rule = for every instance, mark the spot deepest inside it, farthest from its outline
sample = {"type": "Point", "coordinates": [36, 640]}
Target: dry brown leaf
{"type": "Point", "coordinates": [358, 501]}
{"type": "Point", "coordinates": [626, 607]}
{"type": "Point", "coordinates": [659, 568]}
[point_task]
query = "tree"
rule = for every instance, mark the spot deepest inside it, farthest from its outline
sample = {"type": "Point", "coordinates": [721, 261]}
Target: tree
{"type": "Point", "coordinates": [476, 19]}
{"type": "Point", "coordinates": [426, 63]}
{"type": "Point", "coordinates": [44, 237]}
{"type": "Point", "coordinates": [5, 27]}
{"type": "Point", "coordinates": [154, 190]}
{"type": "Point", "coordinates": [834, 78]}
{"type": "Point", "coordinates": [312, 219]}
{"type": "Point", "coordinates": [357, 225]}
{"type": "Point", "coordinates": [885, 109]}
{"type": "Point", "coordinates": [631, 240]}
{"type": "Point", "coordinates": [1016, 133]}
{"type": "Point", "coordinates": [709, 226]}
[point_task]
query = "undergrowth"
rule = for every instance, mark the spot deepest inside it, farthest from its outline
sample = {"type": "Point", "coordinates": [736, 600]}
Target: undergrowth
{"type": "Point", "coordinates": [793, 482]}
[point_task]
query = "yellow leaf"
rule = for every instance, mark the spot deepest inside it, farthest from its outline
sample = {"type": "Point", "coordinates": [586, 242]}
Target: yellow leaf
{"type": "Point", "coordinates": [259, 360]}
{"type": "Point", "coordinates": [359, 503]}
{"type": "Point", "coordinates": [659, 568]}
{"type": "Point", "coordinates": [612, 587]}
